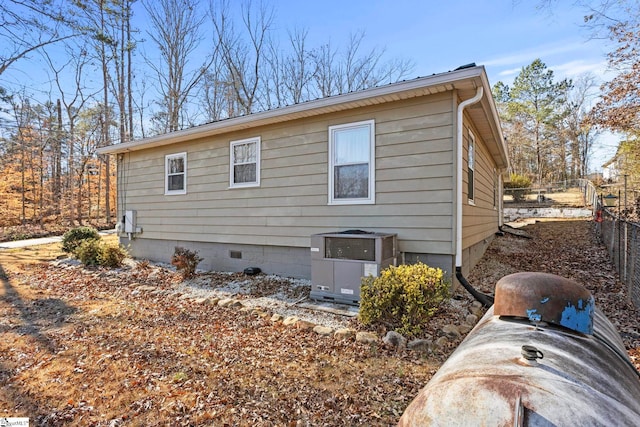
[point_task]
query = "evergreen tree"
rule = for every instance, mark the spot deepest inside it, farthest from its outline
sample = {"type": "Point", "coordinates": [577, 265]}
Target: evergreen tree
{"type": "Point", "coordinates": [532, 111]}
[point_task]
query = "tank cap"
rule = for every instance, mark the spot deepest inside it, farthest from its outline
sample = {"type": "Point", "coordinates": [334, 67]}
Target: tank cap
{"type": "Point", "coordinates": [543, 297]}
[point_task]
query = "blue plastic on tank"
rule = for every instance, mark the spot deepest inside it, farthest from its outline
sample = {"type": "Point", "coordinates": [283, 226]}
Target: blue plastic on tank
{"type": "Point", "coordinates": [533, 315]}
{"type": "Point", "coordinates": [579, 318]}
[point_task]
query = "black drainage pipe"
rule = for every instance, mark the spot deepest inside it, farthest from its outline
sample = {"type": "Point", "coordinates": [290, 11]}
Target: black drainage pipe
{"type": "Point", "coordinates": [486, 300]}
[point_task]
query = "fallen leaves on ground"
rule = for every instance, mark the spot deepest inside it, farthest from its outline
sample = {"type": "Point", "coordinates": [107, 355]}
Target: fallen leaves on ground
{"type": "Point", "coordinates": [82, 347]}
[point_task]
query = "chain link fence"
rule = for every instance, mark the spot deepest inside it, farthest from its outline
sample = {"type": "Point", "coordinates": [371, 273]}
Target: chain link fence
{"type": "Point", "coordinates": [537, 193]}
{"type": "Point", "coordinates": [621, 238]}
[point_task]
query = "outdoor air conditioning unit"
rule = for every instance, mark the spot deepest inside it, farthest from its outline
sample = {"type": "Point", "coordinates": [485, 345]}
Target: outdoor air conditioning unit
{"type": "Point", "coordinates": [340, 260]}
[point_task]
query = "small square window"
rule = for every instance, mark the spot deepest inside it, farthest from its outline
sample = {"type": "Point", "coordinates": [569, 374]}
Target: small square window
{"type": "Point", "coordinates": [175, 173]}
{"type": "Point", "coordinates": [352, 163]}
{"type": "Point", "coordinates": [244, 165]}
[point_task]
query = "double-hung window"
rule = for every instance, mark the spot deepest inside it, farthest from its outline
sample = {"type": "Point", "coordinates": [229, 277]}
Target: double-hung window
{"type": "Point", "coordinates": [471, 164]}
{"type": "Point", "coordinates": [175, 168]}
{"type": "Point", "coordinates": [352, 163]}
{"type": "Point", "coordinates": [244, 163]}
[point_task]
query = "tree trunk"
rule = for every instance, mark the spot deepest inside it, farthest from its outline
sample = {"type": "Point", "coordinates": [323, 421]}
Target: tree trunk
{"type": "Point", "coordinates": [106, 120]}
{"type": "Point", "coordinates": [70, 167]}
{"type": "Point", "coordinates": [57, 162]}
{"type": "Point", "coordinates": [23, 182]}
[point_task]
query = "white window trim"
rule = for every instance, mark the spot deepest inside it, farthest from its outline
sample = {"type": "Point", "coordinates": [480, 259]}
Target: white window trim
{"type": "Point", "coordinates": [168, 192]}
{"type": "Point", "coordinates": [232, 144]}
{"type": "Point", "coordinates": [372, 165]}
{"type": "Point", "coordinates": [472, 166]}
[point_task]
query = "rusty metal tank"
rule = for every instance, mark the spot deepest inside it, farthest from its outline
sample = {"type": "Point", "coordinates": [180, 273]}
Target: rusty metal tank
{"type": "Point", "coordinates": [543, 355]}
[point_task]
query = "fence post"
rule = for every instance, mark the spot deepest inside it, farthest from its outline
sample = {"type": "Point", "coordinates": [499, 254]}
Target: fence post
{"type": "Point", "coordinates": [635, 262]}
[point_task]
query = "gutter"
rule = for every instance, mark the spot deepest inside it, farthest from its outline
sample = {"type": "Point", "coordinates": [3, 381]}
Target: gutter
{"type": "Point", "coordinates": [486, 300]}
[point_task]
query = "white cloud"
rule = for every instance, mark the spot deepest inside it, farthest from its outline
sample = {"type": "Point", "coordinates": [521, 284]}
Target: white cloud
{"type": "Point", "coordinates": [568, 60]}
{"type": "Point", "coordinates": [575, 68]}
{"type": "Point", "coordinates": [570, 69]}
{"type": "Point", "coordinates": [527, 56]}
{"type": "Point", "coordinates": [510, 72]}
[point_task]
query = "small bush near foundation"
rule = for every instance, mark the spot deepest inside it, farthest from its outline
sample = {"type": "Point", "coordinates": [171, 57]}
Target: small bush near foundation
{"type": "Point", "coordinates": [185, 261]}
{"type": "Point", "coordinates": [403, 297]}
{"type": "Point", "coordinates": [88, 251]}
{"type": "Point", "coordinates": [112, 256]}
{"type": "Point", "coordinates": [95, 251]}
{"type": "Point", "coordinates": [74, 237]}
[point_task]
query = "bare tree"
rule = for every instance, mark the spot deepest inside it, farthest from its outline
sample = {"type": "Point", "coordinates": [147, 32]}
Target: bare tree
{"type": "Point", "coordinates": [218, 98]}
{"type": "Point", "coordinates": [74, 99]}
{"type": "Point", "coordinates": [297, 69]}
{"type": "Point", "coordinates": [326, 74]}
{"type": "Point", "coordinates": [29, 25]}
{"type": "Point", "coordinates": [354, 70]}
{"type": "Point", "coordinates": [89, 135]}
{"type": "Point", "coordinates": [577, 125]}
{"type": "Point", "coordinates": [243, 58]}
{"type": "Point", "coordinates": [23, 116]}
{"type": "Point", "coordinates": [141, 105]}
{"type": "Point", "coordinates": [258, 74]}
{"type": "Point", "coordinates": [175, 29]}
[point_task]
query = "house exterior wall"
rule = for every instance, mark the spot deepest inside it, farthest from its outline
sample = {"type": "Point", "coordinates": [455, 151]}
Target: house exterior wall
{"type": "Point", "coordinates": [414, 173]}
{"type": "Point", "coordinates": [480, 218]}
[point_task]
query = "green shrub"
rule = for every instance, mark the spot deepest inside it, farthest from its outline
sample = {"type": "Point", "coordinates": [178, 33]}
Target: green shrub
{"type": "Point", "coordinates": [112, 255]}
{"type": "Point", "coordinates": [93, 252]}
{"type": "Point", "coordinates": [518, 185]}
{"type": "Point", "coordinates": [74, 237]}
{"type": "Point", "coordinates": [403, 297]}
{"type": "Point", "coordinates": [89, 251]}
{"type": "Point", "coordinates": [185, 261]}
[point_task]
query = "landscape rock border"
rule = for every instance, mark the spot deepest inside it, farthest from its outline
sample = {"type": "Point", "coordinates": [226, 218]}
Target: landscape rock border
{"type": "Point", "coordinates": [450, 333]}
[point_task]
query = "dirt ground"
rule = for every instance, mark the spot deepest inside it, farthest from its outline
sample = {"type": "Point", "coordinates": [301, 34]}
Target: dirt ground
{"type": "Point", "coordinates": [81, 347]}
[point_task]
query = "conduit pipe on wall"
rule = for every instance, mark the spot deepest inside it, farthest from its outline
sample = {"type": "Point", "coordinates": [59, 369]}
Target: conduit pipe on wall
{"type": "Point", "coordinates": [484, 299]}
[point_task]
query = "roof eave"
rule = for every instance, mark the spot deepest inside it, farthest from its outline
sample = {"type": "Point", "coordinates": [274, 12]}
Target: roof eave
{"type": "Point", "coordinates": [502, 161]}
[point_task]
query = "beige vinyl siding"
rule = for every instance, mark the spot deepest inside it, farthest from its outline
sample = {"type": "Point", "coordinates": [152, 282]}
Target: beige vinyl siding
{"type": "Point", "coordinates": [414, 182]}
{"type": "Point", "coordinates": [480, 220]}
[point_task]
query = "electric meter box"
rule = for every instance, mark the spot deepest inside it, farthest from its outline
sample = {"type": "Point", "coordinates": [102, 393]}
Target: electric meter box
{"type": "Point", "coordinates": [130, 222]}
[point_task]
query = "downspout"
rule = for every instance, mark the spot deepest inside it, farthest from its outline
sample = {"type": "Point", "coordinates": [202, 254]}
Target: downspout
{"type": "Point", "coordinates": [486, 300]}
{"type": "Point", "coordinates": [500, 202]}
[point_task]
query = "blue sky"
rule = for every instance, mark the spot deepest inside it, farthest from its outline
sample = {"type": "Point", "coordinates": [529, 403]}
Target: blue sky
{"type": "Point", "coordinates": [503, 35]}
